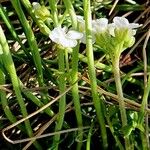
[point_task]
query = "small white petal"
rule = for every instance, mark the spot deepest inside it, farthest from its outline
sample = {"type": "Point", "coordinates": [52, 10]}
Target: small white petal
{"type": "Point", "coordinates": [59, 36]}
{"type": "Point", "coordinates": [68, 42]}
{"type": "Point", "coordinates": [64, 29]}
{"type": "Point", "coordinates": [74, 35]}
{"type": "Point", "coordinates": [56, 34]}
{"type": "Point", "coordinates": [111, 29]}
{"type": "Point", "coordinates": [99, 25]}
{"type": "Point", "coordinates": [101, 21]}
{"type": "Point", "coordinates": [121, 22]}
{"type": "Point", "coordinates": [36, 5]}
{"type": "Point", "coordinates": [134, 25]}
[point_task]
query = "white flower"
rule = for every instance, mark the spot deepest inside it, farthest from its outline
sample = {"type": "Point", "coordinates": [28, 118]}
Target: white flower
{"type": "Point", "coordinates": [65, 38]}
{"type": "Point", "coordinates": [99, 25]}
{"type": "Point", "coordinates": [122, 23]}
{"type": "Point", "coordinates": [36, 5]}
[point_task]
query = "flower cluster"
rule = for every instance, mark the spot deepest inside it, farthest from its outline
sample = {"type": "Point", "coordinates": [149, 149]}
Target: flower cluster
{"type": "Point", "coordinates": [115, 36]}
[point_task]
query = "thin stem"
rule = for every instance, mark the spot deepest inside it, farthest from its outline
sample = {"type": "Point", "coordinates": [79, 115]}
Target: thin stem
{"type": "Point", "coordinates": [67, 60]}
{"type": "Point", "coordinates": [92, 74]}
{"type": "Point", "coordinates": [5, 104]}
{"type": "Point", "coordinates": [61, 80]}
{"type": "Point", "coordinates": [146, 141]}
{"type": "Point", "coordinates": [74, 76]}
{"type": "Point", "coordinates": [62, 102]}
{"type": "Point", "coordinates": [53, 6]}
{"type": "Point", "coordinates": [72, 13]}
{"type": "Point", "coordinates": [116, 71]}
{"type": "Point", "coordinates": [75, 94]}
{"type": "Point", "coordinates": [36, 101]}
{"type": "Point", "coordinates": [144, 102]}
{"type": "Point", "coordinates": [97, 64]}
{"type": "Point", "coordinates": [88, 143]}
{"type": "Point", "coordinates": [9, 65]}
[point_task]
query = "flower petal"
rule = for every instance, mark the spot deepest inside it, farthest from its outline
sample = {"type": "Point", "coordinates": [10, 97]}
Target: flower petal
{"type": "Point", "coordinates": [134, 25]}
{"type": "Point", "coordinates": [68, 42]}
{"type": "Point", "coordinates": [121, 22]}
{"type": "Point", "coordinates": [56, 34]}
{"type": "Point", "coordinates": [99, 25]}
{"type": "Point", "coordinates": [111, 29]}
{"type": "Point", "coordinates": [59, 36]}
{"type": "Point", "coordinates": [101, 21]}
{"type": "Point", "coordinates": [74, 35]}
{"type": "Point", "coordinates": [36, 5]}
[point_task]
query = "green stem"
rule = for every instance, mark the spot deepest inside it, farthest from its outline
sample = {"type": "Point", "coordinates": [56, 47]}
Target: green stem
{"type": "Point", "coordinates": [97, 64]}
{"type": "Point", "coordinates": [31, 40]}
{"type": "Point", "coordinates": [74, 75]}
{"type": "Point", "coordinates": [9, 65]}
{"type": "Point", "coordinates": [144, 141]}
{"type": "Point", "coordinates": [5, 104]}
{"type": "Point", "coordinates": [62, 102]}
{"type": "Point", "coordinates": [92, 74]}
{"type": "Point", "coordinates": [75, 94]}
{"type": "Point", "coordinates": [67, 60]}
{"type": "Point", "coordinates": [143, 113]}
{"type": "Point", "coordinates": [71, 12]}
{"type": "Point", "coordinates": [36, 101]}
{"type": "Point", "coordinates": [88, 143]}
{"type": "Point", "coordinates": [61, 80]}
{"type": "Point", "coordinates": [53, 7]}
{"type": "Point", "coordinates": [144, 101]}
{"type": "Point", "coordinates": [116, 71]}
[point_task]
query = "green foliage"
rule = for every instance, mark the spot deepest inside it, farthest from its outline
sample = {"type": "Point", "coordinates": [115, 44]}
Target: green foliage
{"type": "Point", "coordinates": [107, 100]}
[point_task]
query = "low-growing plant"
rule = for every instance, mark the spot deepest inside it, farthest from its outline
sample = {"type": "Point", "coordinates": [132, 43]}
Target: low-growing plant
{"type": "Point", "coordinates": [62, 80]}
